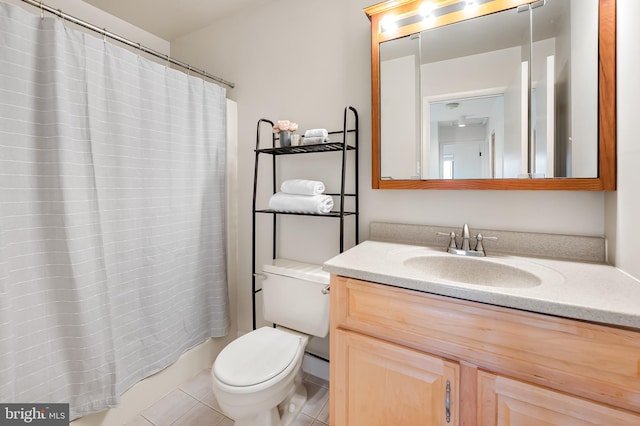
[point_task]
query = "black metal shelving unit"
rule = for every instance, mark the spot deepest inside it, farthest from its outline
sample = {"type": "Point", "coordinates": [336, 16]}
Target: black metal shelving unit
{"type": "Point", "coordinates": [342, 141]}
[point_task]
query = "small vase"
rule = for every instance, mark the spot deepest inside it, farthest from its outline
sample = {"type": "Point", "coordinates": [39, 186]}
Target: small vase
{"type": "Point", "coordinates": [285, 138]}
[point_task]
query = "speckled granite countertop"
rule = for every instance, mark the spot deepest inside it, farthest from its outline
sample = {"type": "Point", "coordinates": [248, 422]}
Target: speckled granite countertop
{"type": "Point", "coordinates": [580, 290]}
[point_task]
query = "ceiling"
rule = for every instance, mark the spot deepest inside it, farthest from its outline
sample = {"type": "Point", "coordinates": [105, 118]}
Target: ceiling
{"type": "Point", "coordinates": [474, 110]}
{"type": "Point", "coordinates": [170, 19]}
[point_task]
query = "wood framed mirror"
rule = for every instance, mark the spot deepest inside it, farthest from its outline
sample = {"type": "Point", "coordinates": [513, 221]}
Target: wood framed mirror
{"type": "Point", "coordinates": [560, 134]}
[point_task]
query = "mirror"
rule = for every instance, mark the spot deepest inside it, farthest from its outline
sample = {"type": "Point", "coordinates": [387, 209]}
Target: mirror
{"type": "Point", "coordinates": [488, 97]}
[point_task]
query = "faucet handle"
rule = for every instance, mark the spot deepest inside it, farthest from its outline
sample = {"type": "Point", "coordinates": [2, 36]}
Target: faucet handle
{"type": "Point", "coordinates": [452, 238]}
{"type": "Point", "coordinates": [479, 237]}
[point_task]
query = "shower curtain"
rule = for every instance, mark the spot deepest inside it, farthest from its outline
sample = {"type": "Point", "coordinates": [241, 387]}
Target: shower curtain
{"type": "Point", "coordinates": [112, 203]}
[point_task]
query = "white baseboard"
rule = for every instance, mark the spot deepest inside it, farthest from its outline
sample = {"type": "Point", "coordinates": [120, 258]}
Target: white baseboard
{"type": "Point", "coordinates": [315, 366]}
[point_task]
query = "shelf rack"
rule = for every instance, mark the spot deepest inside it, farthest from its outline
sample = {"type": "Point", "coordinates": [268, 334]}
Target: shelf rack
{"type": "Point", "coordinates": [341, 141]}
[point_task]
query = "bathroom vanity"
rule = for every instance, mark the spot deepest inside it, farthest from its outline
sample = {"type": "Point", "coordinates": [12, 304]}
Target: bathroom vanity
{"type": "Point", "coordinates": [406, 349]}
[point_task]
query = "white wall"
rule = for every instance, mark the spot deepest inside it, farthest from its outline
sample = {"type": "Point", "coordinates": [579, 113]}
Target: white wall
{"type": "Point", "coordinates": [492, 72]}
{"type": "Point", "coordinates": [305, 61]}
{"type": "Point", "coordinates": [623, 206]}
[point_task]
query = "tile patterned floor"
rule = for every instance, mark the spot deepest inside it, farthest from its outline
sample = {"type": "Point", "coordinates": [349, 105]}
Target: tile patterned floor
{"type": "Point", "coordinates": [193, 404]}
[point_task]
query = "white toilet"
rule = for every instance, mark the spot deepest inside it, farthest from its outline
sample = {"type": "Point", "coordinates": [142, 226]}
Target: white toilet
{"type": "Point", "coordinates": [257, 378]}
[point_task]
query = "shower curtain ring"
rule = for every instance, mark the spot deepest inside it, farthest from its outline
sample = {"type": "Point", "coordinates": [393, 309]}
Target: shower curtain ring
{"type": "Point", "coordinates": [61, 17]}
{"type": "Point", "coordinates": [139, 49]}
{"type": "Point", "coordinates": [41, 11]}
{"type": "Point", "coordinates": [104, 35]}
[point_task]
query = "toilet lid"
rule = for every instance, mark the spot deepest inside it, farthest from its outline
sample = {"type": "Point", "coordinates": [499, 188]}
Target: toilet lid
{"type": "Point", "coordinates": [256, 357]}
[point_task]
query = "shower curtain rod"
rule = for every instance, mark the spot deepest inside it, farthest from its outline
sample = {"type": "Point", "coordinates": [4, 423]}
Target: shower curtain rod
{"type": "Point", "coordinates": [105, 33]}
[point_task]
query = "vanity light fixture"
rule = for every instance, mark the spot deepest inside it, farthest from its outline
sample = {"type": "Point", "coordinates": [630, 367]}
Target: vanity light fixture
{"type": "Point", "coordinates": [462, 122]}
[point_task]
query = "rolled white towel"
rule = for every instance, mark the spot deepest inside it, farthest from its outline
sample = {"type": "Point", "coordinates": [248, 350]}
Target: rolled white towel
{"type": "Point", "coordinates": [314, 140]}
{"type": "Point", "coordinates": [302, 187]}
{"type": "Point", "coordinates": [315, 133]}
{"type": "Point", "coordinates": [292, 203]}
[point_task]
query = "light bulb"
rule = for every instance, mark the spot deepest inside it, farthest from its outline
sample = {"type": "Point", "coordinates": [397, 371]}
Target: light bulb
{"type": "Point", "coordinates": [388, 24]}
{"type": "Point", "coordinates": [426, 9]}
{"type": "Point", "coordinates": [471, 5]}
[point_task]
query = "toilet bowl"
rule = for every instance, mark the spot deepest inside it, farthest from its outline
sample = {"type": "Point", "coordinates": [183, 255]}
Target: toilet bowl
{"type": "Point", "coordinates": [257, 378]}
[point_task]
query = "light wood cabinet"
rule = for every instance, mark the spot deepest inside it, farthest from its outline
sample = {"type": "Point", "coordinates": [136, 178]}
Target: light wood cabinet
{"type": "Point", "coordinates": [381, 383]}
{"type": "Point", "coordinates": [393, 350]}
{"type": "Point", "coordinates": [508, 402]}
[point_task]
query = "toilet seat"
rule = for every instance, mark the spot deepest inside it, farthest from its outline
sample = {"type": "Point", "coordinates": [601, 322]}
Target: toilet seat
{"type": "Point", "coordinates": [257, 357]}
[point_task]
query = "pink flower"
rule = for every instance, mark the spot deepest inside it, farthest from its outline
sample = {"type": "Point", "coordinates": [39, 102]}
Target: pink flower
{"type": "Point", "coordinates": [285, 126]}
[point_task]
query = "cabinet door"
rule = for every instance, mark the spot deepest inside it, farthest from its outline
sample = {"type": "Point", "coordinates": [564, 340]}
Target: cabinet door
{"type": "Point", "coordinates": [503, 401]}
{"type": "Point", "coordinates": [380, 383]}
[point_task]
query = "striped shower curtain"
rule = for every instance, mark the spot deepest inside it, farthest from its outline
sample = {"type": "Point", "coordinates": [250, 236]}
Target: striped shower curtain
{"type": "Point", "coordinates": [112, 203]}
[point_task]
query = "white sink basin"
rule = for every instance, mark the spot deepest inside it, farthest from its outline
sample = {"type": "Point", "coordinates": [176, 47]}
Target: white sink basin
{"type": "Point", "coordinates": [472, 271]}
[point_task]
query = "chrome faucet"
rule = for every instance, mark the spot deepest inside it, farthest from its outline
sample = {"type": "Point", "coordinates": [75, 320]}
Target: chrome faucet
{"type": "Point", "coordinates": [465, 238]}
{"type": "Point", "coordinates": [465, 247]}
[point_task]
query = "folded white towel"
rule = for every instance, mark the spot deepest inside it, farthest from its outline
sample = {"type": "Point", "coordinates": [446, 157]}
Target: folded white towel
{"type": "Point", "coordinates": [302, 187]}
{"type": "Point", "coordinates": [292, 203]}
{"type": "Point", "coordinates": [313, 133]}
{"type": "Point", "coordinates": [314, 140]}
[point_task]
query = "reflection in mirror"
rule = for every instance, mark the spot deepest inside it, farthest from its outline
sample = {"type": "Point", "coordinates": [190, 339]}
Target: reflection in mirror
{"type": "Point", "coordinates": [508, 95]}
{"type": "Point", "coordinates": [477, 70]}
{"type": "Point", "coordinates": [464, 135]}
{"type": "Point", "coordinates": [564, 110]}
{"type": "Point", "coordinates": [400, 107]}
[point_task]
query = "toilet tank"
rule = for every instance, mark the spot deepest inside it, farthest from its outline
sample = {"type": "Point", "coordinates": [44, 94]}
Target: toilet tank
{"type": "Point", "coordinates": [293, 297]}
